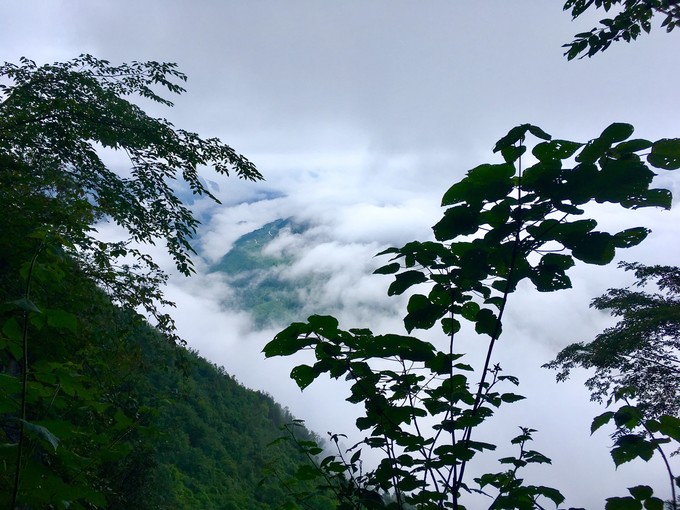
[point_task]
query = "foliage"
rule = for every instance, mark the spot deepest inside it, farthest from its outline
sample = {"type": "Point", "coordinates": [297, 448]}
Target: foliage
{"type": "Point", "coordinates": [640, 352]}
{"type": "Point", "coordinates": [56, 124]}
{"type": "Point", "coordinates": [67, 415]}
{"type": "Point", "coordinates": [504, 224]}
{"type": "Point", "coordinates": [633, 18]}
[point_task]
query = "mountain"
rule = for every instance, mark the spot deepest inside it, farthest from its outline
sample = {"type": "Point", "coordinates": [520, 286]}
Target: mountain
{"type": "Point", "coordinates": [117, 416]}
{"type": "Point", "coordinates": [256, 276]}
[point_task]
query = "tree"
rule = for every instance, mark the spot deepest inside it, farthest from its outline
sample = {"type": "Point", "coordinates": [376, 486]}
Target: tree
{"type": "Point", "coordinates": [642, 351]}
{"type": "Point", "coordinates": [56, 121]}
{"type": "Point", "coordinates": [633, 18]}
{"type": "Point", "coordinates": [504, 224]}
{"type": "Point", "coordinates": [64, 413]}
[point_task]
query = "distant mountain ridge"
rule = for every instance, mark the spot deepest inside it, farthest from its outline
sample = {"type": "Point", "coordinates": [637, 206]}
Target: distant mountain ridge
{"type": "Point", "coordinates": [255, 276]}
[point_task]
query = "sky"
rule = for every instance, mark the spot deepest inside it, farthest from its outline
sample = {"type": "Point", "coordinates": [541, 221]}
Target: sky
{"type": "Point", "coordinates": [360, 114]}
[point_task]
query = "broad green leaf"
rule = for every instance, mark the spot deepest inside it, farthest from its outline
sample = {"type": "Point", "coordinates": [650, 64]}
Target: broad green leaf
{"type": "Point", "coordinates": [630, 447]}
{"type": "Point", "coordinates": [290, 340]}
{"type": "Point", "coordinates": [62, 319]}
{"type": "Point", "coordinates": [403, 281]}
{"type": "Point", "coordinates": [601, 420]}
{"type": "Point", "coordinates": [595, 248]}
{"type": "Point", "coordinates": [515, 135]}
{"type": "Point", "coordinates": [457, 221]}
{"type": "Point", "coordinates": [650, 198]}
{"type": "Point", "coordinates": [303, 375]}
{"type": "Point", "coordinates": [617, 132]}
{"type": "Point", "coordinates": [470, 310]}
{"type": "Point", "coordinates": [26, 305]}
{"type": "Point", "coordinates": [422, 313]}
{"type": "Point", "coordinates": [388, 269]}
{"type": "Point", "coordinates": [665, 154]}
{"type": "Point", "coordinates": [670, 426]}
{"type": "Point", "coordinates": [511, 154]}
{"type": "Point", "coordinates": [511, 397]}
{"type": "Point", "coordinates": [641, 492]}
{"type": "Point", "coordinates": [633, 145]}
{"type": "Point", "coordinates": [626, 503]}
{"type": "Point", "coordinates": [555, 149]}
{"type": "Point", "coordinates": [325, 325]}
{"type": "Point", "coordinates": [41, 432]}
{"type": "Point", "coordinates": [630, 237]}
{"type": "Point", "coordinates": [654, 503]}
{"type": "Point", "coordinates": [486, 323]}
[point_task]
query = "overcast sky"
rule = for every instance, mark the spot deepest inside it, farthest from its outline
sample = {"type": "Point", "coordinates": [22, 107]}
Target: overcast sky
{"type": "Point", "coordinates": [360, 114]}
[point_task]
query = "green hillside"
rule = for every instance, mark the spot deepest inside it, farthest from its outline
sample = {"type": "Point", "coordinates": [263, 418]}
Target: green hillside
{"type": "Point", "coordinates": [152, 425]}
{"type": "Point", "coordinates": [255, 276]}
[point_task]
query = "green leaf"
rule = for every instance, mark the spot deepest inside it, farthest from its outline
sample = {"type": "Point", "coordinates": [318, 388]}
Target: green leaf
{"type": "Point", "coordinates": [511, 154]}
{"type": "Point", "coordinates": [626, 503]}
{"type": "Point", "coordinates": [326, 325]}
{"type": "Point", "coordinates": [403, 281]}
{"type": "Point", "coordinates": [630, 237]}
{"type": "Point", "coordinates": [303, 375]}
{"type": "Point", "coordinates": [515, 135]}
{"type": "Point", "coordinates": [62, 319]}
{"type": "Point", "coordinates": [26, 305]}
{"type": "Point", "coordinates": [422, 313]}
{"type": "Point", "coordinates": [388, 269]}
{"type": "Point", "coordinates": [538, 132]}
{"type": "Point", "coordinates": [617, 132]}
{"type": "Point", "coordinates": [289, 341]}
{"type": "Point", "coordinates": [630, 447]}
{"type": "Point", "coordinates": [654, 504]}
{"type": "Point", "coordinates": [633, 146]}
{"type": "Point", "coordinates": [41, 432]}
{"type": "Point", "coordinates": [670, 426]}
{"type": "Point", "coordinates": [470, 310]}
{"type": "Point", "coordinates": [511, 397]}
{"type": "Point", "coordinates": [601, 420]}
{"type": "Point", "coordinates": [665, 154]}
{"type": "Point", "coordinates": [595, 248]}
{"type": "Point", "coordinates": [486, 322]}
{"type": "Point", "coordinates": [641, 492]}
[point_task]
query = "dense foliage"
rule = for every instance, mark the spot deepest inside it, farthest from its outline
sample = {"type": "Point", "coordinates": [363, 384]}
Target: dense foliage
{"type": "Point", "coordinates": [641, 352]}
{"type": "Point", "coordinates": [97, 408]}
{"type": "Point", "coordinates": [504, 224]}
{"type": "Point", "coordinates": [631, 18]}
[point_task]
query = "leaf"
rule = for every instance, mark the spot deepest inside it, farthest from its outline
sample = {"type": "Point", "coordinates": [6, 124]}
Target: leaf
{"type": "Point", "coordinates": [626, 503]}
{"type": "Point", "coordinates": [511, 154]}
{"type": "Point", "coordinates": [62, 319]}
{"type": "Point", "coordinates": [388, 269]}
{"type": "Point", "coordinates": [633, 145]}
{"type": "Point", "coordinates": [511, 397]}
{"type": "Point", "coordinates": [486, 322]}
{"type": "Point", "coordinates": [42, 432]}
{"type": "Point", "coordinates": [595, 248]}
{"type": "Point", "coordinates": [326, 325]}
{"type": "Point", "coordinates": [665, 154]}
{"type": "Point", "coordinates": [630, 447]}
{"type": "Point", "coordinates": [470, 310]}
{"type": "Point", "coordinates": [630, 237]}
{"type": "Point", "coordinates": [617, 132]}
{"type": "Point", "coordinates": [641, 492]}
{"type": "Point", "coordinates": [26, 305]}
{"type": "Point", "coordinates": [422, 313]}
{"type": "Point", "coordinates": [303, 375]}
{"type": "Point", "coordinates": [458, 220]}
{"type": "Point", "coordinates": [654, 504]}
{"type": "Point", "coordinates": [515, 135]}
{"type": "Point", "coordinates": [404, 281]}
{"type": "Point", "coordinates": [670, 426]}
{"type": "Point", "coordinates": [601, 420]}
{"type": "Point", "coordinates": [289, 341]}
